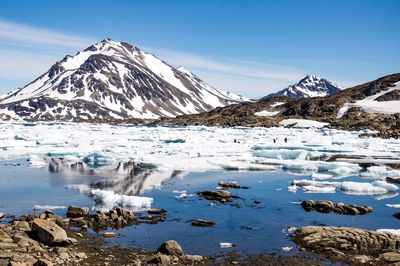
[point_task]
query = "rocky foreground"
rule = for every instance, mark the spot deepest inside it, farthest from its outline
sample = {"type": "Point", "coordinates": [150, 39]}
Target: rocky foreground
{"type": "Point", "coordinates": [351, 245]}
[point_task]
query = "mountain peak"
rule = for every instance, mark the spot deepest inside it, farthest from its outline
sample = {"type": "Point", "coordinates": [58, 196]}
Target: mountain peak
{"type": "Point", "coordinates": [310, 86]}
{"type": "Point", "coordinates": [113, 80]}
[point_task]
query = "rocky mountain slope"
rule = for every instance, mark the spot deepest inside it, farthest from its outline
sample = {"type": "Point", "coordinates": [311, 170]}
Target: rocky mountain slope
{"type": "Point", "coordinates": [112, 81]}
{"type": "Point", "coordinates": [309, 86]}
{"type": "Point", "coordinates": [373, 105]}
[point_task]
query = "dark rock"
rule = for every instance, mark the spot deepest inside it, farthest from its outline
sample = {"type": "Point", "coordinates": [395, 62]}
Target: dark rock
{"type": "Point", "coordinates": [397, 215]}
{"type": "Point", "coordinates": [308, 205]}
{"type": "Point", "coordinates": [156, 211]}
{"type": "Point", "coordinates": [324, 206]}
{"type": "Point", "coordinates": [200, 222]}
{"type": "Point", "coordinates": [217, 195]}
{"type": "Point", "coordinates": [231, 184]}
{"type": "Point", "coordinates": [160, 259]}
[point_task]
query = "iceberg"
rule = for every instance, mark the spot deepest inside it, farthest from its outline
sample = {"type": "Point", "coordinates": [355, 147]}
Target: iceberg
{"type": "Point", "coordinates": [108, 199]}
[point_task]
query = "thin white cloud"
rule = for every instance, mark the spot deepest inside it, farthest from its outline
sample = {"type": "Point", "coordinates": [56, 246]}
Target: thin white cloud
{"type": "Point", "coordinates": [26, 52]}
{"type": "Point", "coordinates": [26, 35]}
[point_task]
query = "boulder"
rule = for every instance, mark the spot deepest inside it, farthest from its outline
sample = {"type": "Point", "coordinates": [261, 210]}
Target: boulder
{"type": "Point", "coordinates": [75, 211]}
{"type": "Point", "coordinates": [324, 206]}
{"type": "Point", "coordinates": [308, 205]}
{"type": "Point", "coordinates": [171, 247]}
{"type": "Point", "coordinates": [1, 215]}
{"type": "Point", "coordinates": [48, 232]}
{"type": "Point", "coordinates": [397, 215]}
{"type": "Point", "coordinates": [217, 195]}
{"type": "Point", "coordinates": [231, 184]}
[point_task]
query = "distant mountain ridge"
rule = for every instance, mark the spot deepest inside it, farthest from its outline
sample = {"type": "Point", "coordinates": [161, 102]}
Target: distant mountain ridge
{"type": "Point", "coordinates": [309, 86]}
{"type": "Point", "coordinates": [112, 81]}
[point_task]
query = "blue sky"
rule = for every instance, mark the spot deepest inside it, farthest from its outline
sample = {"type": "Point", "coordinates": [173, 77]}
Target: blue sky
{"type": "Point", "coordinates": [248, 47]}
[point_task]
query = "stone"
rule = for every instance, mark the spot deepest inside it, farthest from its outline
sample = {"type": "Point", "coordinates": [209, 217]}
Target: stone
{"type": "Point", "coordinates": [217, 195]}
{"type": "Point", "coordinates": [43, 262]}
{"type": "Point", "coordinates": [231, 184]}
{"type": "Point", "coordinates": [3, 234]}
{"type": "Point", "coordinates": [200, 222]}
{"type": "Point", "coordinates": [21, 226]}
{"type": "Point", "coordinates": [75, 211]}
{"type": "Point", "coordinates": [195, 258]}
{"type": "Point", "coordinates": [48, 232]}
{"type": "Point", "coordinates": [160, 259]}
{"type": "Point", "coordinates": [324, 206]}
{"type": "Point", "coordinates": [81, 255]}
{"type": "Point", "coordinates": [171, 247]}
{"type": "Point", "coordinates": [4, 245]}
{"type": "Point", "coordinates": [109, 234]}
{"type": "Point", "coordinates": [156, 211]}
{"type": "Point", "coordinates": [308, 205]}
{"type": "Point", "coordinates": [397, 215]}
{"type": "Point", "coordinates": [390, 256]}
{"type": "Point", "coordinates": [1, 215]}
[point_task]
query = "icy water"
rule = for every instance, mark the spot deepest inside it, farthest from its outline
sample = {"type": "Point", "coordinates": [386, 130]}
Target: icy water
{"type": "Point", "coordinates": [252, 228]}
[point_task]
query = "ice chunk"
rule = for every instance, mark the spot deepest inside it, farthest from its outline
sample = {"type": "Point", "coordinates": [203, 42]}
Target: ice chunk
{"type": "Point", "coordinates": [389, 187]}
{"type": "Point", "coordinates": [315, 189]}
{"type": "Point", "coordinates": [225, 245]}
{"type": "Point", "coordinates": [37, 161]}
{"type": "Point", "coordinates": [48, 207]}
{"type": "Point", "coordinates": [108, 199]}
{"type": "Point", "coordinates": [287, 249]}
{"type": "Point", "coordinates": [393, 205]}
{"type": "Point", "coordinates": [389, 231]}
{"type": "Point", "coordinates": [362, 188]}
{"type": "Point", "coordinates": [96, 160]}
{"type": "Point", "coordinates": [321, 176]}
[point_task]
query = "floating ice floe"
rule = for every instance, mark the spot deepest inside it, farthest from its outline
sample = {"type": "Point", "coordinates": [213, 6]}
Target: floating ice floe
{"type": "Point", "coordinates": [48, 207]}
{"type": "Point", "coordinates": [349, 187]}
{"type": "Point", "coordinates": [287, 249]}
{"type": "Point", "coordinates": [108, 199]}
{"type": "Point", "coordinates": [380, 172]}
{"type": "Point", "coordinates": [393, 205]}
{"type": "Point", "coordinates": [37, 161]}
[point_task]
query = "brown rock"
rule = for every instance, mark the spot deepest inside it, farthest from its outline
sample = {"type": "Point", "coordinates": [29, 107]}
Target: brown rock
{"type": "Point", "coordinates": [308, 205]}
{"type": "Point", "coordinates": [160, 259]}
{"type": "Point", "coordinates": [390, 256]}
{"type": "Point", "coordinates": [156, 211]}
{"type": "Point", "coordinates": [200, 222]}
{"type": "Point", "coordinates": [171, 247]}
{"type": "Point", "coordinates": [43, 262]}
{"type": "Point", "coordinates": [21, 226]}
{"type": "Point", "coordinates": [324, 206]}
{"type": "Point", "coordinates": [75, 211]}
{"type": "Point", "coordinates": [48, 232]}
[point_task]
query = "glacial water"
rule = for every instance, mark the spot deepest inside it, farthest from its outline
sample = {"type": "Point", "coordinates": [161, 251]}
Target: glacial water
{"type": "Point", "coordinates": [251, 227]}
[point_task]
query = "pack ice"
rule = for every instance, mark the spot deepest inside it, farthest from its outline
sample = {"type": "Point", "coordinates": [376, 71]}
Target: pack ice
{"type": "Point", "coordinates": [161, 152]}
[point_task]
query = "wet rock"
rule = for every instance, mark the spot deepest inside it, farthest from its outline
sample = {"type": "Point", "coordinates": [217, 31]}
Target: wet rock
{"type": "Point", "coordinates": [324, 206]}
{"type": "Point", "coordinates": [48, 232]}
{"type": "Point", "coordinates": [156, 211]}
{"type": "Point", "coordinates": [351, 209]}
{"type": "Point", "coordinates": [397, 215]}
{"type": "Point", "coordinates": [341, 241]}
{"type": "Point", "coordinates": [308, 205]}
{"type": "Point", "coordinates": [216, 195]}
{"type": "Point", "coordinates": [171, 247]}
{"type": "Point", "coordinates": [75, 211]}
{"type": "Point", "coordinates": [109, 234]}
{"type": "Point", "coordinates": [231, 184]}
{"type": "Point", "coordinates": [200, 222]}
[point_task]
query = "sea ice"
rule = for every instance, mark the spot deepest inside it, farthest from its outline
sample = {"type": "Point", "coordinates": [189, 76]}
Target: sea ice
{"type": "Point", "coordinates": [108, 199]}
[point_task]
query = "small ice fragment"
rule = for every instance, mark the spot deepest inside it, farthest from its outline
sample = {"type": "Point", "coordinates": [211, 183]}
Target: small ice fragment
{"type": "Point", "coordinates": [389, 231]}
{"type": "Point", "coordinates": [315, 189]}
{"type": "Point", "coordinates": [278, 189]}
{"type": "Point", "coordinates": [48, 207]}
{"type": "Point", "coordinates": [393, 205]}
{"type": "Point", "coordinates": [287, 249]}
{"type": "Point", "coordinates": [36, 161]}
{"type": "Point", "coordinates": [225, 245]}
{"type": "Point", "coordinates": [292, 188]}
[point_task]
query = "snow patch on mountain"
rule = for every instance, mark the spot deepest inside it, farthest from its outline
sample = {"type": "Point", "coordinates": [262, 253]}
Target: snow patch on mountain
{"type": "Point", "coordinates": [309, 86]}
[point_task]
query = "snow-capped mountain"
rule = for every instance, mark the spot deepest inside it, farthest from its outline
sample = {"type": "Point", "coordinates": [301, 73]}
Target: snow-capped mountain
{"type": "Point", "coordinates": [112, 81]}
{"type": "Point", "coordinates": [309, 86]}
